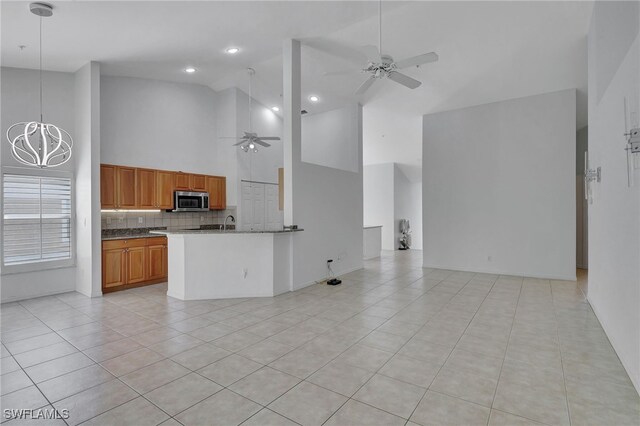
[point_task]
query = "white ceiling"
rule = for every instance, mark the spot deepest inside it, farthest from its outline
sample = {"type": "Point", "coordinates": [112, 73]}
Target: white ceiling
{"type": "Point", "coordinates": [489, 51]}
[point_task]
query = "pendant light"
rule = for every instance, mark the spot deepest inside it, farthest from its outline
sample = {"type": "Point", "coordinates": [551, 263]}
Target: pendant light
{"type": "Point", "coordinates": [36, 143]}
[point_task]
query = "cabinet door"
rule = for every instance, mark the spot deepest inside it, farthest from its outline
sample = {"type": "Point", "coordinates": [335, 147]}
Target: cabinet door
{"type": "Point", "coordinates": [108, 198]}
{"type": "Point", "coordinates": [113, 267]}
{"type": "Point", "coordinates": [136, 264]}
{"type": "Point", "coordinates": [274, 216]}
{"type": "Point", "coordinates": [217, 189]}
{"type": "Point", "coordinates": [126, 187]}
{"type": "Point", "coordinates": [198, 183]}
{"type": "Point", "coordinates": [146, 191]}
{"type": "Point", "coordinates": [157, 262]}
{"type": "Point", "coordinates": [165, 184]}
{"type": "Point", "coordinates": [182, 181]}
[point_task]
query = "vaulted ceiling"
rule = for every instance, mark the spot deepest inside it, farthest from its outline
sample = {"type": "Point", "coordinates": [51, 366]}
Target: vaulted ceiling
{"type": "Point", "coordinates": [489, 51]}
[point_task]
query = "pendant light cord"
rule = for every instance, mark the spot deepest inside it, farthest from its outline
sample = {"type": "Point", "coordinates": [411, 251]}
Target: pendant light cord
{"type": "Point", "coordinates": [41, 120]}
{"type": "Point", "coordinates": [380, 27]}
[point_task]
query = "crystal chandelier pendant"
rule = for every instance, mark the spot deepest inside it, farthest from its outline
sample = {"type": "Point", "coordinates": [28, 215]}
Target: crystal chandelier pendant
{"type": "Point", "coordinates": [36, 143]}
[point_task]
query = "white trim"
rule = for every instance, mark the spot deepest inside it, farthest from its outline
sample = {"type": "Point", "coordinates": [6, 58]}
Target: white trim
{"type": "Point", "coordinates": [614, 345]}
{"type": "Point", "coordinates": [499, 272]}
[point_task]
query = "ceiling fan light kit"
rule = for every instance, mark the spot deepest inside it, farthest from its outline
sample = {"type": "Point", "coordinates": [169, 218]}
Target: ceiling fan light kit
{"type": "Point", "coordinates": [250, 140]}
{"type": "Point", "coordinates": [382, 65]}
{"type": "Point", "coordinates": [36, 143]}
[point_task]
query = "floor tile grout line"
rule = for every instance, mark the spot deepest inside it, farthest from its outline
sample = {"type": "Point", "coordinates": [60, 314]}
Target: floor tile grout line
{"type": "Point", "coordinates": [513, 320]}
{"type": "Point", "coordinates": [562, 360]}
{"type": "Point", "coordinates": [452, 349]}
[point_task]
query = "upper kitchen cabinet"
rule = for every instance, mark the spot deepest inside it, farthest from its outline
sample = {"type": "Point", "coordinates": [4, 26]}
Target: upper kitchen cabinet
{"type": "Point", "coordinates": [182, 181]}
{"type": "Point", "coordinates": [155, 189]}
{"type": "Point", "coordinates": [165, 185]}
{"type": "Point", "coordinates": [108, 197]}
{"type": "Point", "coordinates": [117, 187]}
{"type": "Point", "coordinates": [146, 191]}
{"type": "Point", "coordinates": [217, 189]}
{"type": "Point", "coordinates": [198, 183]}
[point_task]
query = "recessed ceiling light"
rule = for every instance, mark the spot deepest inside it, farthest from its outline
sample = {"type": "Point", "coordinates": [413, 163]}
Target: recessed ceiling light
{"type": "Point", "coordinates": [232, 50]}
{"type": "Point", "coordinates": [190, 70]}
{"type": "Point", "coordinates": [314, 98]}
{"type": "Point", "coordinates": [275, 108]}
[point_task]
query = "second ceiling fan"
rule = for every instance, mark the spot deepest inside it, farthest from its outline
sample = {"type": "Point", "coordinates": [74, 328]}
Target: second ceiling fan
{"type": "Point", "coordinates": [382, 65]}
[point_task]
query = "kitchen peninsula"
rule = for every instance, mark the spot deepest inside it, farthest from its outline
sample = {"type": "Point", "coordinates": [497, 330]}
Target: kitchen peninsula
{"type": "Point", "coordinates": [217, 264]}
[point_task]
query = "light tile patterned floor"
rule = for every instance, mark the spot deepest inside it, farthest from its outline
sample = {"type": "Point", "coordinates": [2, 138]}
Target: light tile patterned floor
{"type": "Point", "coordinates": [394, 344]}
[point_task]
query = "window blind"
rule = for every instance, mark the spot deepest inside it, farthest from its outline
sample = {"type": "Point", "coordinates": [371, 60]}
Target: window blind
{"type": "Point", "coordinates": [36, 219]}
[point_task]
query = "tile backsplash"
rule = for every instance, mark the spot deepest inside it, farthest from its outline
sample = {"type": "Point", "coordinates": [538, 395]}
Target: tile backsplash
{"type": "Point", "coordinates": [124, 219]}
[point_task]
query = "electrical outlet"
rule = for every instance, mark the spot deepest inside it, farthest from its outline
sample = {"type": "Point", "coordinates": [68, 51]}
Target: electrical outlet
{"type": "Point", "coordinates": [140, 219]}
{"type": "Point", "coordinates": [245, 272]}
{"type": "Point", "coordinates": [120, 220]}
{"type": "Point", "coordinates": [108, 221]}
{"type": "Point", "coordinates": [201, 219]}
{"type": "Point", "coordinates": [489, 258]}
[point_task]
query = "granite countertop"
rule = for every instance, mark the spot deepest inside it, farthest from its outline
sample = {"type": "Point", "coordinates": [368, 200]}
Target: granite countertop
{"type": "Point", "coordinates": [127, 236]}
{"type": "Point", "coordinates": [219, 231]}
{"type": "Point", "coordinates": [132, 233]}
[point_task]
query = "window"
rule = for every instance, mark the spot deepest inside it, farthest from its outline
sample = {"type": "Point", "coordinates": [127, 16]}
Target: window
{"type": "Point", "coordinates": [36, 221]}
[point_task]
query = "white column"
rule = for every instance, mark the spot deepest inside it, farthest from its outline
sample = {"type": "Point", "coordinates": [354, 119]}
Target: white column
{"type": "Point", "coordinates": [292, 134]}
{"type": "Point", "coordinates": [86, 152]}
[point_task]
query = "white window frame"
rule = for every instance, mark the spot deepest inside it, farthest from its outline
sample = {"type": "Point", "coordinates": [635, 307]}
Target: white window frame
{"type": "Point", "coordinates": [45, 264]}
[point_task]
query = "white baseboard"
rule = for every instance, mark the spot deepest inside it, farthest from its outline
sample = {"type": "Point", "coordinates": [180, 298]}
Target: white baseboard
{"type": "Point", "coordinates": [39, 294]}
{"type": "Point", "coordinates": [503, 272]}
{"type": "Point", "coordinates": [623, 361]}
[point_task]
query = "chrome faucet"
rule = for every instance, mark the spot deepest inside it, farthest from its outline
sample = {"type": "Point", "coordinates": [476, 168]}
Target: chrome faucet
{"type": "Point", "coordinates": [224, 225]}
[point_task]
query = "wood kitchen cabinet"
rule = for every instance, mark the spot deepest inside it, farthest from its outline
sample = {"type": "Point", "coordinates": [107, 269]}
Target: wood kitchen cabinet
{"type": "Point", "coordinates": [149, 189]}
{"type": "Point", "coordinates": [146, 191]}
{"type": "Point", "coordinates": [198, 183]}
{"type": "Point", "coordinates": [108, 197]}
{"type": "Point", "coordinates": [165, 185]}
{"type": "Point", "coordinates": [117, 187]}
{"type": "Point", "coordinates": [217, 189]}
{"type": "Point", "coordinates": [157, 259]}
{"type": "Point", "coordinates": [182, 181]}
{"type": "Point", "coordinates": [134, 262]}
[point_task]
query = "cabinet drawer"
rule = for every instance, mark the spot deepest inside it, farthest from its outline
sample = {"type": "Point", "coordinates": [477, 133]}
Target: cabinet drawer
{"type": "Point", "coordinates": [156, 241]}
{"type": "Point", "coordinates": [116, 244]}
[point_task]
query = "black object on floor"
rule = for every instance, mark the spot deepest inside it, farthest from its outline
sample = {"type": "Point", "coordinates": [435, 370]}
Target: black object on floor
{"type": "Point", "coordinates": [334, 281]}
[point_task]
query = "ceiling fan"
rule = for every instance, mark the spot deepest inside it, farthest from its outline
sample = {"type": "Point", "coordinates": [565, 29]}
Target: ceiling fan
{"type": "Point", "coordinates": [381, 65]}
{"type": "Point", "coordinates": [250, 140]}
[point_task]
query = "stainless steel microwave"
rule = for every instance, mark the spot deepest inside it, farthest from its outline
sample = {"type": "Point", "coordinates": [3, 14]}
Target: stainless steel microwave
{"type": "Point", "coordinates": [190, 201]}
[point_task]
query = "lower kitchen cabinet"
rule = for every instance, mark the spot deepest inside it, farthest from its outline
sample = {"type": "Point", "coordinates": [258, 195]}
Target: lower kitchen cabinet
{"type": "Point", "coordinates": [133, 263]}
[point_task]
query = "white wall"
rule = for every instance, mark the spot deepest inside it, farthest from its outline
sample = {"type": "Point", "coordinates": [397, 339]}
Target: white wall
{"type": "Point", "coordinates": [499, 187]}
{"type": "Point", "coordinates": [263, 165]}
{"type": "Point", "coordinates": [614, 216]}
{"type": "Point", "coordinates": [326, 139]}
{"type": "Point", "coordinates": [407, 201]}
{"type": "Point", "coordinates": [158, 124]}
{"type": "Point", "coordinates": [378, 201]}
{"type": "Point", "coordinates": [327, 203]}
{"type": "Point", "coordinates": [19, 101]}
{"type": "Point", "coordinates": [87, 180]}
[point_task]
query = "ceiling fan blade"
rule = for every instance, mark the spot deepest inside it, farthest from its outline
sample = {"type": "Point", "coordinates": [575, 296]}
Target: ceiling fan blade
{"type": "Point", "coordinates": [230, 137]}
{"type": "Point", "coordinates": [372, 53]}
{"type": "Point", "coordinates": [365, 85]}
{"type": "Point", "coordinates": [269, 138]}
{"type": "Point", "coordinates": [405, 80]}
{"type": "Point", "coordinates": [239, 143]}
{"type": "Point", "coordinates": [261, 142]}
{"type": "Point", "coordinates": [417, 60]}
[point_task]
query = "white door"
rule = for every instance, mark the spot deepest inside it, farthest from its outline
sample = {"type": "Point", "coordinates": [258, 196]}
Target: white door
{"type": "Point", "coordinates": [247, 207]}
{"type": "Point", "coordinates": [258, 207]}
{"type": "Point", "coordinates": [275, 217]}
